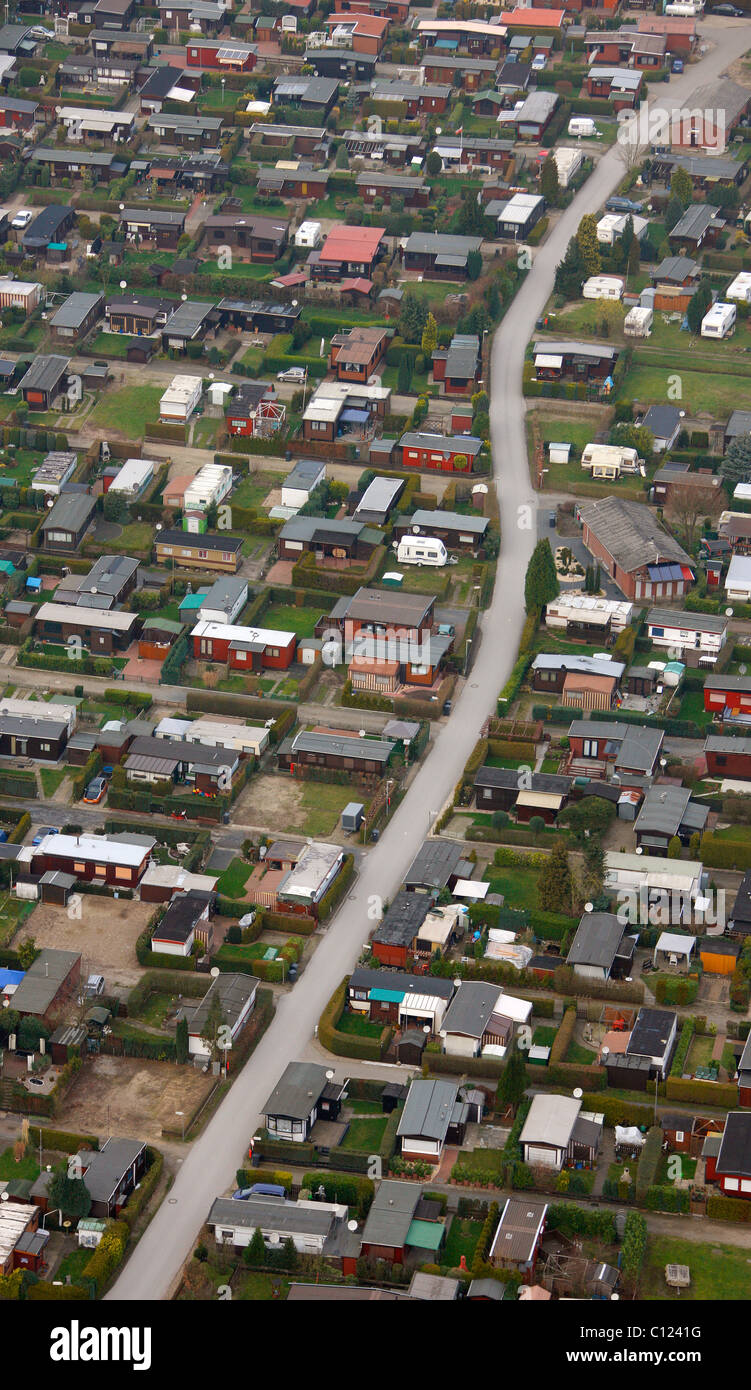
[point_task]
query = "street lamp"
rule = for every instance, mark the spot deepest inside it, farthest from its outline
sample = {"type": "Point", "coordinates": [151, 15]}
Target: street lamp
{"type": "Point", "coordinates": [181, 1113]}
{"type": "Point", "coordinates": [223, 81]}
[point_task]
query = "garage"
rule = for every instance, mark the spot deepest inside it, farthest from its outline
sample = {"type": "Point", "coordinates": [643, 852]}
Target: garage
{"type": "Point", "coordinates": [548, 1158]}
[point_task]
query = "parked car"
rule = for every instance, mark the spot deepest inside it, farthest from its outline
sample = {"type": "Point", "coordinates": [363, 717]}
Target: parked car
{"type": "Point", "coordinates": [539, 62]}
{"type": "Point", "coordinates": [3, 836]}
{"type": "Point", "coordinates": [728, 11]}
{"type": "Point", "coordinates": [43, 831]}
{"type": "Point", "coordinates": [292, 972]}
{"type": "Point", "coordinates": [94, 986]}
{"type": "Point", "coordinates": [21, 220]}
{"type": "Point", "coordinates": [95, 790]}
{"type": "Point", "coordinates": [297, 374]}
{"type": "Point", "coordinates": [677, 65]}
{"type": "Point", "coordinates": [447, 707]}
{"type": "Point", "coordinates": [242, 1194]}
{"type": "Point", "coordinates": [266, 1189]}
{"type": "Point", "coordinates": [619, 204]}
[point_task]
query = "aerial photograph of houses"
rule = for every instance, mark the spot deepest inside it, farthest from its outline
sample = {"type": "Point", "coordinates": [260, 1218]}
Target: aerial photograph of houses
{"type": "Point", "coordinates": [375, 664]}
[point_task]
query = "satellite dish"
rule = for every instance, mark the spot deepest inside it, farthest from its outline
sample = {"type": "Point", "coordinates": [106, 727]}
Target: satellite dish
{"type": "Point", "coordinates": [351, 1225]}
{"type": "Point", "coordinates": [361, 733]}
{"type": "Point", "coordinates": [578, 1093]}
{"type": "Point", "coordinates": [416, 530]}
{"type": "Point", "coordinates": [588, 907]}
{"type": "Point", "coordinates": [215, 971]}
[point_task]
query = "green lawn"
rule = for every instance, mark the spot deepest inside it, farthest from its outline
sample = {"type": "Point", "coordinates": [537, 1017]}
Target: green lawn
{"type": "Point", "coordinates": [233, 879]}
{"type": "Point", "coordinates": [290, 618]}
{"type": "Point", "coordinates": [255, 488]}
{"type": "Point", "coordinates": [137, 536]}
{"type": "Point", "coordinates": [127, 409]}
{"type": "Point", "coordinates": [12, 915]}
{"type": "Point", "coordinates": [111, 345]}
{"type": "Point", "coordinates": [699, 1053]}
{"type": "Point", "coordinates": [461, 1240]}
{"type": "Point", "coordinates": [155, 1008]}
{"type": "Point", "coordinates": [358, 1026]}
{"type": "Point", "coordinates": [9, 1169]}
{"type": "Point", "coordinates": [323, 803]}
{"type": "Point", "coordinates": [52, 777]}
{"type": "Point", "coordinates": [73, 1264]}
{"type": "Point", "coordinates": [205, 432]}
{"type": "Point", "coordinates": [580, 1056]}
{"type": "Point", "coordinates": [543, 1036]}
{"type": "Point", "coordinates": [715, 392]}
{"type": "Point", "coordinates": [692, 707]}
{"type": "Point", "coordinates": [518, 886]}
{"type": "Point", "coordinates": [719, 1273]}
{"type": "Point", "coordinates": [365, 1135]}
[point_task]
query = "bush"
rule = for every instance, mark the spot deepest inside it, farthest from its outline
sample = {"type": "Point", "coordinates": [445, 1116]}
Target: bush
{"type": "Point", "coordinates": [356, 1192]}
{"type": "Point", "coordinates": [684, 1043]}
{"type": "Point", "coordinates": [649, 1162]}
{"type": "Point", "coordinates": [108, 1255]}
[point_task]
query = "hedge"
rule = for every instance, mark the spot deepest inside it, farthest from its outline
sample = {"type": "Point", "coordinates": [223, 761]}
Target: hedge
{"type": "Point", "coordinates": [572, 1221]}
{"type": "Point", "coordinates": [634, 1246]}
{"type": "Point", "coordinates": [564, 1036]}
{"type": "Point", "coordinates": [649, 1162]}
{"type": "Point", "coordinates": [60, 1141]}
{"type": "Point", "coordinates": [332, 898]}
{"type": "Point", "coordinates": [145, 1189]}
{"type": "Point", "coordinates": [691, 1092]}
{"type": "Point", "coordinates": [108, 1255]}
{"type": "Point", "coordinates": [514, 683]}
{"type": "Point", "coordinates": [617, 1111]}
{"type": "Point", "coordinates": [347, 1044]}
{"type": "Point", "coordinates": [356, 1192]}
{"type": "Point", "coordinates": [684, 1043]}
{"type": "Point", "coordinates": [724, 854]}
{"type": "Point", "coordinates": [721, 1208]}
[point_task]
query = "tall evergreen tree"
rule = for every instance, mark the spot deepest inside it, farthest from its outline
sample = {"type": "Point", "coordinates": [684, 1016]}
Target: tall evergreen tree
{"type": "Point", "coordinates": [512, 1084]}
{"type": "Point", "coordinates": [570, 271]}
{"type": "Point", "coordinates": [541, 582]}
{"type": "Point", "coordinates": [181, 1040]}
{"type": "Point", "coordinates": [681, 186]}
{"type": "Point", "coordinates": [549, 184]}
{"type": "Point", "coordinates": [589, 246]}
{"type": "Point", "coordinates": [736, 465]}
{"type": "Point", "coordinates": [554, 886]}
{"type": "Point", "coordinates": [429, 336]}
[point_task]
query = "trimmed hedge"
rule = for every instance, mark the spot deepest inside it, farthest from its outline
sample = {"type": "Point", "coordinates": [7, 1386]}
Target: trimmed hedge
{"type": "Point", "coordinates": [348, 1044]}
{"type": "Point", "coordinates": [108, 1255]}
{"type": "Point", "coordinates": [722, 1208]}
{"type": "Point", "coordinates": [649, 1162]}
{"type": "Point", "coordinates": [145, 1190]}
{"type": "Point", "coordinates": [724, 1094]}
{"type": "Point", "coordinates": [331, 899]}
{"type": "Point", "coordinates": [684, 1043]}
{"type": "Point", "coordinates": [60, 1141]}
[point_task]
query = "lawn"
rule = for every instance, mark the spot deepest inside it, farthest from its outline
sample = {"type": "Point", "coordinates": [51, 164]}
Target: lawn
{"type": "Point", "coordinates": [719, 1273]}
{"type": "Point", "coordinates": [111, 345]}
{"type": "Point", "coordinates": [358, 1026]}
{"type": "Point", "coordinates": [580, 1056]}
{"type": "Point", "coordinates": [692, 707]}
{"type": "Point", "coordinates": [550, 765]}
{"type": "Point", "coordinates": [518, 886]}
{"type": "Point", "coordinates": [52, 777]}
{"type": "Point", "coordinates": [157, 1004]}
{"type": "Point", "coordinates": [323, 804]}
{"type": "Point", "coordinates": [289, 618]}
{"type": "Point", "coordinates": [12, 915]}
{"type": "Point", "coordinates": [703, 390]}
{"type": "Point", "coordinates": [233, 879]}
{"type": "Point", "coordinates": [461, 1240]}
{"type": "Point", "coordinates": [205, 432]}
{"type": "Point", "coordinates": [255, 488]}
{"type": "Point", "coordinates": [138, 536]}
{"type": "Point", "coordinates": [74, 1265]}
{"type": "Point", "coordinates": [9, 1169]}
{"type": "Point", "coordinates": [435, 291]}
{"type": "Point", "coordinates": [699, 1053]}
{"type": "Point", "coordinates": [544, 1036]}
{"type": "Point", "coordinates": [127, 409]}
{"type": "Point", "coordinates": [365, 1135]}
{"type": "Point", "coordinates": [487, 1161]}
{"type": "Point", "coordinates": [253, 358]}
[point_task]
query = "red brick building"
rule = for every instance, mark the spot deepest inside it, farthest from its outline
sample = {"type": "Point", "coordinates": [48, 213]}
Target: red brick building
{"type": "Point", "coordinates": [643, 560]}
{"type": "Point", "coordinates": [444, 453]}
{"type": "Point", "coordinates": [243, 648]}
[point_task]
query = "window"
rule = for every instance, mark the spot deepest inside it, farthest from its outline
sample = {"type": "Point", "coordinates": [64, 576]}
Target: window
{"type": "Point", "coordinates": [590, 747]}
{"type": "Point", "coordinates": [45, 747]}
{"type": "Point", "coordinates": [241, 656]}
{"type": "Point", "coordinates": [100, 870]}
{"type": "Point", "coordinates": [79, 868]}
{"type": "Point", "coordinates": [123, 874]}
{"type": "Point", "coordinates": [731, 1184]}
{"type": "Point", "coordinates": [679, 1136]}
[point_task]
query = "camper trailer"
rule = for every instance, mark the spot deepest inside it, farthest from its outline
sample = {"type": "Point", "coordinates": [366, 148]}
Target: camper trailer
{"type": "Point", "coordinates": [602, 287]}
{"type": "Point", "coordinates": [689, 9]}
{"type": "Point", "coordinates": [582, 126]}
{"type": "Point", "coordinates": [719, 321]}
{"type": "Point", "coordinates": [638, 321]}
{"type": "Point", "coordinates": [421, 550]}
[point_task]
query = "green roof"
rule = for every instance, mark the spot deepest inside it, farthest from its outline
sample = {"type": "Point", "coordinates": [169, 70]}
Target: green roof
{"type": "Point", "coordinates": [425, 1235]}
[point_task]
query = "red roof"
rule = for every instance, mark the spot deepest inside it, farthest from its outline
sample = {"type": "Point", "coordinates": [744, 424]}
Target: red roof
{"type": "Point", "coordinates": [531, 17]}
{"type": "Point", "coordinates": [360, 285]}
{"type": "Point", "coordinates": [345, 243]}
{"type": "Point", "coordinates": [366, 23]}
{"type": "Point", "coordinates": [288, 281]}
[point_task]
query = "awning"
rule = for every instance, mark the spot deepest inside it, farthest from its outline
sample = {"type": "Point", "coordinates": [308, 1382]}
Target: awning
{"type": "Point", "coordinates": [354, 417]}
{"type": "Point", "coordinates": [468, 888]}
{"type": "Point", "coordinates": [547, 359]}
{"type": "Point", "coordinates": [425, 1235]}
{"type": "Point", "coordinates": [418, 1005]}
{"type": "Point", "coordinates": [451, 262]}
{"type": "Point", "coordinates": [547, 801]}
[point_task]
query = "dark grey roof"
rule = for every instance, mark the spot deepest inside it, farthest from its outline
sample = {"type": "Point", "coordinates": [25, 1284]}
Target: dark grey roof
{"type": "Point", "coordinates": [471, 1008]}
{"type": "Point", "coordinates": [734, 1158]}
{"type": "Point", "coordinates": [696, 221]}
{"type": "Point", "coordinates": [662, 420]}
{"type": "Point", "coordinates": [441, 244]}
{"type": "Point", "coordinates": [71, 511]}
{"type": "Point", "coordinates": [271, 1213]}
{"type": "Point", "coordinates": [200, 541]}
{"type": "Point", "coordinates": [76, 309]}
{"type": "Point", "coordinates": [428, 1110]}
{"type": "Point", "coordinates": [597, 939]}
{"type": "Point", "coordinates": [568, 347]}
{"type": "Point", "coordinates": [433, 864]}
{"type": "Point", "coordinates": [297, 1090]}
{"type": "Point", "coordinates": [508, 777]}
{"type": "Point", "coordinates": [676, 269]}
{"type": "Point", "coordinates": [391, 1214]}
{"type": "Point", "coordinates": [107, 1167]}
{"type": "Point", "coordinates": [650, 1033]}
{"type": "Point", "coordinates": [375, 749]}
{"type": "Point", "coordinates": [665, 810]}
{"type": "Point", "coordinates": [692, 622]}
{"type": "Point", "coordinates": [233, 992]}
{"type": "Point", "coordinates": [629, 531]}
{"type": "Point", "coordinates": [446, 521]}
{"type": "Point", "coordinates": [44, 373]}
{"type": "Point", "coordinates": [364, 978]}
{"type": "Point", "coordinates": [403, 919]}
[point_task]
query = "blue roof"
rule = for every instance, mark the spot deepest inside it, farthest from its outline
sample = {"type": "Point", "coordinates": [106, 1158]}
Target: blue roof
{"type": "Point", "coordinates": [10, 977]}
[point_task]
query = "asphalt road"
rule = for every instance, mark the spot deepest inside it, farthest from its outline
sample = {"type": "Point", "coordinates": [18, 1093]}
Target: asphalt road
{"type": "Point", "coordinates": [154, 1267]}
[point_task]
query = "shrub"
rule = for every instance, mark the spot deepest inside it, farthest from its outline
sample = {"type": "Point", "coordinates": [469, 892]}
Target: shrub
{"type": "Point", "coordinates": [649, 1162]}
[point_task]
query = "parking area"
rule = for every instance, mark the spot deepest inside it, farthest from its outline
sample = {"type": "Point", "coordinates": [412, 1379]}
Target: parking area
{"type": "Point", "coordinates": [132, 1098]}
{"type": "Point", "coordinates": [105, 933]}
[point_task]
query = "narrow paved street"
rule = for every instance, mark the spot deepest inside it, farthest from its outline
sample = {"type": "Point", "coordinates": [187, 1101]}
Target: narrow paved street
{"type": "Point", "coordinates": [154, 1267]}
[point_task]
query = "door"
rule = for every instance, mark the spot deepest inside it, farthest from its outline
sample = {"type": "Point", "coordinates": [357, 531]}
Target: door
{"type": "Point", "coordinates": [546, 1158]}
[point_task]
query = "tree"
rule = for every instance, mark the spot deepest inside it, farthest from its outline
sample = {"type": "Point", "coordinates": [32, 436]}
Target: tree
{"type": "Point", "coordinates": [634, 257]}
{"type": "Point", "coordinates": [474, 265]}
{"type": "Point", "coordinates": [570, 271]}
{"type": "Point", "coordinates": [673, 213]}
{"type": "Point", "coordinates": [115, 508]}
{"type": "Point", "coordinates": [27, 953]}
{"type": "Point", "coordinates": [674, 848]}
{"type": "Point", "coordinates": [688, 507]}
{"type": "Point", "coordinates": [290, 1259]}
{"type": "Point", "coordinates": [215, 1021]}
{"type": "Point", "coordinates": [71, 1195]}
{"type": "Point", "coordinates": [404, 374]}
{"type": "Point", "coordinates": [589, 246]}
{"type": "Point", "coordinates": [429, 336]}
{"type": "Point", "coordinates": [632, 436]}
{"type": "Point", "coordinates": [255, 1251]}
{"type": "Point", "coordinates": [541, 581]}
{"type": "Point", "coordinates": [591, 816]}
{"type": "Point", "coordinates": [513, 1082]}
{"type": "Point", "coordinates": [593, 869]}
{"type": "Point", "coordinates": [433, 164]}
{"type": "Point", "coordinates": [736, 465]}
{"type": "Point", "coordinates": [549, 185]}
{"type": "Point", "coordinates": [554, 886]}
{"type": "Point", "coordinates": [628, 237]}
{"type": "Point", "coordinates": [698, 305]}
{"type": "Point", "coordinates": [681, 186]}
{"type": "Point", "coordinates": [342, 158]}
{"type": "Point", "coordinates": [412, 317]}
{"type": "Point", "coordinates": [181, 1040]}
{"type": "Point", "coordinates": [470, 218]}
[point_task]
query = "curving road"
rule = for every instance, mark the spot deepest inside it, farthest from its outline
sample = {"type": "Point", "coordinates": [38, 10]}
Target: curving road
{"type": "Point", "coordinates": [153, 1269]}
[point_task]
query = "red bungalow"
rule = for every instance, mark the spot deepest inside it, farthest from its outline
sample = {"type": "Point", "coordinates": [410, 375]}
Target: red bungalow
{"type": "Point", "coordinates": [728, 757]}
{"type": "Point", "coordinates": [680, 33]}
{"type": "Point", "coordinates": [394, 9]}
{"type": "Point", "coordinates": [254, 410]}
{"type": "Point", "coordinates": [368, 30]}
{"type": "Point", "coordinates": [355, 355]}
{"type": "Point", "coordinates": [224, 55]}
{"type": "Point", "coordinates": [348, 251]}
{"type": "Point", "coordinates": [243, 648]}
{"type": "Point", "coordinates": [103, 858]}
{"type": "Point", "coordinates": [731, 1169]}
{"type": "Point", "coordinates": [431, 452]}
{"type": "Point", "coordinates": [727, 696]}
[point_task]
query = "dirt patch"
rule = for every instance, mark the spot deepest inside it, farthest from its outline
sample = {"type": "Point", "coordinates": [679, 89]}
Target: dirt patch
{"type": "Point", "coordinates": [137, 1097]}
{"type": "Point", "coordinates": [105, 934]}
{"type": "Point", "coordinates": [271, 801]}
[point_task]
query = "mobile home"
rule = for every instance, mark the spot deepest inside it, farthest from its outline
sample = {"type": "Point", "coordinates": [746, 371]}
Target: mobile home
{"type": "Point", "coordinates": [719, 321]}
{"type": "Point", "coordinates": [421, 550]}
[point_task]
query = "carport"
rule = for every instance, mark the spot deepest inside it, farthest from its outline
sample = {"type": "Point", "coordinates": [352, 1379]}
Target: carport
{"type": "Point", "coordinates": [672, 949]}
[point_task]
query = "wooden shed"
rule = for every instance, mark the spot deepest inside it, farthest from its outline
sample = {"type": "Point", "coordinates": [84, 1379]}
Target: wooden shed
{"type": "Point", "coordinates": [718, 955]}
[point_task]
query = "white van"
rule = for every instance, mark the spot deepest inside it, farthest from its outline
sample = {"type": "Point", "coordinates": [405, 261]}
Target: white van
{"type": "Point", "coordinates": [582, 126]}
{"type": "Point", "coordinates": [421, 550]}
